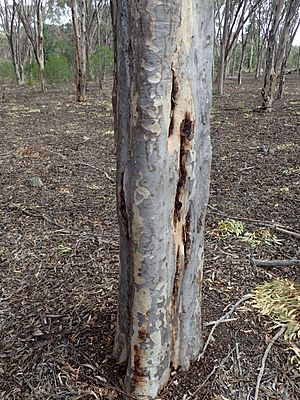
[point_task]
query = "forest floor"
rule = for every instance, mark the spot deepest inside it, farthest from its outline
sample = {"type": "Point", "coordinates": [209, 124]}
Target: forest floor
{"type": "Point", "coordinates": [59, 246]}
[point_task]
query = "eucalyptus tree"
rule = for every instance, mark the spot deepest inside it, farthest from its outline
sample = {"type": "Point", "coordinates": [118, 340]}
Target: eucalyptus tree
{"type": "Point", "coordinates": [270, 76]}
{"type": "Point", "coordinates": [32, 15]}
{"type": "Point", "coordinates": [287, 34]}
{"type": "Point", "coordinates": [236, 17]}
{"type": "Point", "coordinates": [80, 35]}
{"type": "Point", "coordinates": [17, 40]}
{"type": "Point", "coordinates": [162, 102]}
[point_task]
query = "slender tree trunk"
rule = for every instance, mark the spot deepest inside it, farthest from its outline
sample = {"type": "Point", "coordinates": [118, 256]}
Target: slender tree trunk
{"type": "Point", "coordinates": [258, 65]}
{"type": "Point", "coordinates": [40, 44]}
{"type": "Point", "coordinates": [289, 30]}
{"type": "Point", "coordinates": [282, 74]}
{"type": "Point", "coordinates": [80, 53]}
{"type": "Point", "coordinates": [83, 47]}
{"type": "Point", "coordinates": [270, 74]}
{"type": "Point", "coordinates": [244, 42]}
{"type": "Point", "coordinates": [162, 107]}
{"type": "Point", "coordinates": [233, 64]}
{"type": "Point", "coordinates": [250, 62]}
{"type": "Point", "coordinates": [289, 45]}
{"type": "Point", "coordinates": [222, 65]}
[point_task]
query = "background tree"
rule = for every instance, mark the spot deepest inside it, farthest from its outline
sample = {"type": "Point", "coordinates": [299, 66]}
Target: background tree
{"type": "Point", "coordinates": [16, 38]}
{"type": "Point", "coordinates": [270, 76]}
{"type": "Point", "coordinates": [32, 16]}
{"type": "Point", "coordinates": [162, 101]}
{"type": "Point", "coordinates": [287, 35]}
{"type": "Point", "coordinates": [80, 34]}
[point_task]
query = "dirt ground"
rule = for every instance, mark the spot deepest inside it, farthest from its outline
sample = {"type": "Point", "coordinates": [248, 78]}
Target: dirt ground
{"type": "Point", "coordinates": [59, 246]}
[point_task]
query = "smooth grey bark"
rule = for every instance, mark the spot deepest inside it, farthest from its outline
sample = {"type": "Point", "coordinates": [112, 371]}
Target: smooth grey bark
{"type": "Point", "coordinates": [162, 102]}
{"type": "Point", "coordinates": [79, 28]}
{"type": "Point", "coordinates": [222, 65]}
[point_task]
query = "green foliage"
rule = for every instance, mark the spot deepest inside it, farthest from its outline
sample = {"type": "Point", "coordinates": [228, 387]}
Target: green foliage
{"type": "Point", "coordinates": [293, 58]}
{"type": "Point", "coordinates": [7, 73]}
{"type": "Point", "coordinates": [32, 73]}
{"type": "Point", "coordinates": [280, 300]}
{"type": "Point", "coordinates": [260, 236]}
{"type": "Point", "coordinates": [57, 69]}
{"type": "Point", "coordinates": [64, 249]}
{"type": "Point", "coordinates": [229, 227]}
{"type": "Point", "coordinates": [233, 228]}
{"type": "Point", "coordinates": [101, 62]}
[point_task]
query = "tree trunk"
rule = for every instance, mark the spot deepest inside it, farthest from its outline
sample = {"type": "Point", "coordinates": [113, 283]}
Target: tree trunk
{"type": "Point", "coordinates": [270, 75]}
{"type": "Point", "coordinates": [80, 50]}
{"type": "Point", "coordinates": [244, 42]}
{"type": "Point", "coordinates": [83, 48]}
{"type": "Point", "coordinates": [233, 63]}
{"type": "Point", "coordinates": [162, 101]}
{"type": "Point", "coordinates": [282, 75]}
{"type": "Point", "coordinates": [258, 64]}
{"type": "Point", "coordinates": [222, 65]}
{"type": "Point", "coordinates": [250, 62]}
{"type": "Point", "coordinates": [40, 44]}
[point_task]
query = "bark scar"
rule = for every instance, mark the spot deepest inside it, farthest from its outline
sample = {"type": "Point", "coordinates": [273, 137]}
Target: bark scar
{"type": "Point", "coordinates": [174, 97]}
{"type": "Point", "coordinates": [123, 208]}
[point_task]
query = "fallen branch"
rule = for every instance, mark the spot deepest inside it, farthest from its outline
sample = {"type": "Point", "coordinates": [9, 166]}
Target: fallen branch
{"type": "Point", "coordinates": [288, 232]}
{"type": "Point", "coordinates": [275, 263]}
{"type": "Point", "coordinates": [222, 319]}
{"type": "Point", "coordinates": [270, 224]}
{"type": "Point", "coordinates": [264, 359]}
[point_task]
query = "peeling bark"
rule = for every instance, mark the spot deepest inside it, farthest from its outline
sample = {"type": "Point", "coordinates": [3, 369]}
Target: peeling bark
{"type": "Point", "coordinates": [162, 101]}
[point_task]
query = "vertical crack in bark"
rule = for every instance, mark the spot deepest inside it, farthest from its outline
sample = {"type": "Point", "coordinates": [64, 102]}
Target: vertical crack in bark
{"type": "Point", "coordinates": [186, 238]}
{"type": "Point", "coordinates": [174, 97]}
{"type": "Point", "coordinates": [182, 221]}
{"type": "Point", "coordinates": [186, 134]}
{"type": "Point", "coordinates": [123, 209]}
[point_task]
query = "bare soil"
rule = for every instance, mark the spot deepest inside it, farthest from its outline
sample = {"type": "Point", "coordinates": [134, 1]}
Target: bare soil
{"type": "Point", "coordinates": [59, 245]}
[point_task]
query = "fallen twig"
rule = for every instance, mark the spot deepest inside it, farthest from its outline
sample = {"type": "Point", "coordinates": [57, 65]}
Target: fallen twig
{"type": "Point", "coordinates": [41, 216]}
{"type": "Point", "coordinates": [203, 383]}
{"type": "Point", "coordinates": [219, 321]}
{"type": "Point", "coordinates": [288, 232]}
{"type": "Point", "coordinates": [263, 361]}
{"type": "Point", "coordinates": [270, 224]}
{"type": "Point", "coordinates": [207, 324]}
{"type": "Point", "coordinates": [85, 165]}
{"type": "Point", "coordinates": [274, 263]}
{"type": "Point", "coordinates": [97, 169]}
{"type": "Point", "coordinates": [33, 214]}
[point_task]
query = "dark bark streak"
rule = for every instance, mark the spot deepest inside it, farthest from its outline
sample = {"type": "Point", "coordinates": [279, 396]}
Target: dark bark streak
{"type": "Point", "coordinates": [138, 374]}
{"type": "Point", "coordinates": [123, 209]}
{"type": "Point", "coordinates": [186, 134]}
{"type": "Point", "coordinates": [174, 97]}
{"type": "Point", "coordinates": [186, 238]}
